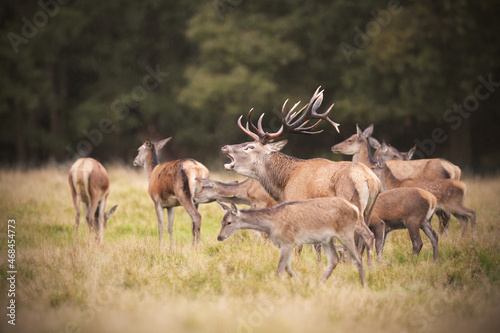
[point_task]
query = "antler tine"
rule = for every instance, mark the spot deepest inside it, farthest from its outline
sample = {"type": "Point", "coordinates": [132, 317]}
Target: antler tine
{"type": "Point", "coordinates": [247, 130]}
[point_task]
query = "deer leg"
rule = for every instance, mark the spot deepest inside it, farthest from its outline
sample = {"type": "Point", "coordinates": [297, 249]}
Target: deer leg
{"type": "Point", "coordinates": [100, 229]}
{"type": "Point", "coordinates": [299, 250]}
{"type": "Point", "coordinates": [433, 237]}
{"type": "Point", "coordinates": [444, 221]}
{"type": "Point", "coordinates": [159, 215]}
{"type": "Point", "coordinates": [76, 204]}
{"type": "Point", "coordinates": [348, 243]}
{"type": "Point", "coordinates": [379, 233]}
{"type": "Point", "coordinates": [190, 208]}
{"type": "Point", "coordinates": [91, 218]}
{"type": "Point", "coordinates": [332, 260]}
{"type": "Point", "coordinates": [317, 249]}
{"type": "Point", "coordinates": [367, 238]}
{"type": "Point", "coordinates": [170, 227]}
{"type": "Point", "coordinates": [416, 240]}
{"type": "Point", "coordinates": [285, 261]}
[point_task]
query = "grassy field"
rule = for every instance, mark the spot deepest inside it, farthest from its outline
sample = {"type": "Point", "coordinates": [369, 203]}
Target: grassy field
{"type": "Point", "coordinates": [128, 285]}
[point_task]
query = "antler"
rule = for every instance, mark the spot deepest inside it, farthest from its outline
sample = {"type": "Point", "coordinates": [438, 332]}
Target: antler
{"type": "Point", "coordinates": [292, 122]}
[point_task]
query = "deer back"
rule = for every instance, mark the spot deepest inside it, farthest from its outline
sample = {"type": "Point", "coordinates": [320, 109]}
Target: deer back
{"type": "Point", "coordinates": [88, 179]}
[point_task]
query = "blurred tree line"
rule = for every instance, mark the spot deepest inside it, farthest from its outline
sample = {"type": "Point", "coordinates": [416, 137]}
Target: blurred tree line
{"type": "Point", "coordinates": [93, 78]}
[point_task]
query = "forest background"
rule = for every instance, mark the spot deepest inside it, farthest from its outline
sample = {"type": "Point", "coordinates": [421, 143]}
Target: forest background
{"type": "Point", "coordinates": [95, 78]}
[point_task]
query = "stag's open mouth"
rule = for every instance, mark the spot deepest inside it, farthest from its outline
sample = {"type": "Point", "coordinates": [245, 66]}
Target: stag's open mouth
{"type": "Point", "coordinates": [228, 166]}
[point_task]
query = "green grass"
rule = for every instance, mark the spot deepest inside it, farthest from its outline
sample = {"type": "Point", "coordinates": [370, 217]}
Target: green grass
{"type": "Point", "coordinates": [129, 285]}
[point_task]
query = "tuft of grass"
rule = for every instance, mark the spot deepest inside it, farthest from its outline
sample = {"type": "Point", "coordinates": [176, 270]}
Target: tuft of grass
{"type": "Point", "coordinates": [130, 285]}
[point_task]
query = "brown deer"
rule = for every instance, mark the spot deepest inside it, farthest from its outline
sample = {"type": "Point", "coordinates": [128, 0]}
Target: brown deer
{"type": "Point", "coordinates": [248, 192]}
{"type": "Point", "coordinates": [89, 183]}
{"type": "Point", "coordinates": [358, 145]}
{"type": "Point", "coordinates": [406, 207]}
{"type": "Point", "coordinates": [287, 178]}
{"type": "Point", "coordinates": [385, 152]}
{"type": "Point", "coordinates": [293, 223]}
{"type": "Point", "coordinates": [172, 184]}
{"type": "Point", "coordinates": [449, 193]}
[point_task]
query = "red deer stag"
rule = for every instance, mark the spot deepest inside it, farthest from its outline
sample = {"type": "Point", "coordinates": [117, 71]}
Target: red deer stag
{"type": "Point", "coordinates": [89, 183]}
{"type": "Point", "coordinates": [405, 207]}
{"type": "Point", "coordinates": [450, 194]}
{"type": "Point", "coordinates": [287, 178]}
{"type": "Point", "coordinates": [172, 184]}
{"type": "Point", "coordinates": [293, 223]}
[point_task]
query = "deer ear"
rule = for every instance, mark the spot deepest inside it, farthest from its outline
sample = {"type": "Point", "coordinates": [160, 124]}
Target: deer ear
{"type": "Point", "coordinates": [368, 131]}
{"type": "Point", "coordinates": [410, 152]}
{"type": "Point", "coordinates": [160, 144]}
{"type": "Point", "coordinates": [110, 212]}
{"type": "Point", "coordinates": [358, 131]}
{"type": "Point", "coordinates": [148, 144]}
{"type": "Point", "coordinates": [374, 142]}
{"type": "Point", "coordinates": [235, 210]}
{"type": "Point", "coordinates": [277, 146]}
{"type": "Point", "coordinates": [205, 182]}
{"type": "Point", "coordinates": [226, 208]}
{"type": "Point", "coordinates": [383, 147]}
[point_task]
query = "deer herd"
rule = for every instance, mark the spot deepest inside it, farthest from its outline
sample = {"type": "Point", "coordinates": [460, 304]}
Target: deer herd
{"type": "Point", "coordinates": [296, 201]}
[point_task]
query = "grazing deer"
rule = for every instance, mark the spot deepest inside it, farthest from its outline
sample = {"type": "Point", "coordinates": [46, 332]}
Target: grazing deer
{"type": "Point", "coordinates": [287, 178]}
{"type": "Point", "coordinates": [358, 145]}
{"type": "Point", "coordinates": [89, 183]}
{"type": "Point", "coordinates": [449, 193]}
{"type": "Point", "coordinates": [293, 223]}
{"type": "Point", "coordinates": [406, 207]}
{"type": "Point", "coordinates": [249, 192]}
{"type": "Point", "coordinates": [172, 184]}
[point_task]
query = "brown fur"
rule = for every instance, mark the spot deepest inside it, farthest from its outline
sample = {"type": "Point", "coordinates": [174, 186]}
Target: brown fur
{"type": "Point", "coordinates": [448, 192]}
{"type": "Point", "coordinates": [290, 224]}
{"type": "Point", "coordinates": [249, 192]}
{"type": "Point", "coordinates": [89, 184]}
{"type": "Point", "coordinates": [357, 145]}
{"type": "Point", "coordinates": [172, 184]}
{"type": "Point", "coordinates": [400, 208]}
{"type": "Point", "coordinates": [287, 178]}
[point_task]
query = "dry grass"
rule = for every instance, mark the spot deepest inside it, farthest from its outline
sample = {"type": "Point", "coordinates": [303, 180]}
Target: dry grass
{"type": "Point", "coordinates": [128, 285]}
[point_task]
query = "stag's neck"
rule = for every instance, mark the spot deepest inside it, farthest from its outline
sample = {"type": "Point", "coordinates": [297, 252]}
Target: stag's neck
{"type": "Point", "coordinates": [150, 163]}
{"type": "Point", "coordinates": [274, 173]}
{"type": "Point", "coordinates": [256, 220]}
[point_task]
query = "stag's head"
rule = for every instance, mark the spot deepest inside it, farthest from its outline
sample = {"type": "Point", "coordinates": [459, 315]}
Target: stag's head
{"type": "Point", "coordinates": [246, 156]}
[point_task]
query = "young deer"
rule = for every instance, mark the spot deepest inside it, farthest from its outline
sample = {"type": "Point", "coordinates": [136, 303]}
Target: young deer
{"type": "Point", "coordinates": [172, 184]}
{"type": "Point", "coordinates": [449, 193]}
{"type": "Point", "coordinates": [287, 178]}
{"type": "Point", "coordinates": [248, 192]}
{"type": "Point", "coordinates": [89, 183]}
{"type": "Point", "coordinates": [293, 223]}
{"type": "Point", "coordinates": [406, 207]}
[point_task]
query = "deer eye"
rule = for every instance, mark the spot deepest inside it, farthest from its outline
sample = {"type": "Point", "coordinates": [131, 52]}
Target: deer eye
{"type": "Point", "coordinates": [228, 223]}
{"type": "Point", "coordinates": [249, 147]}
